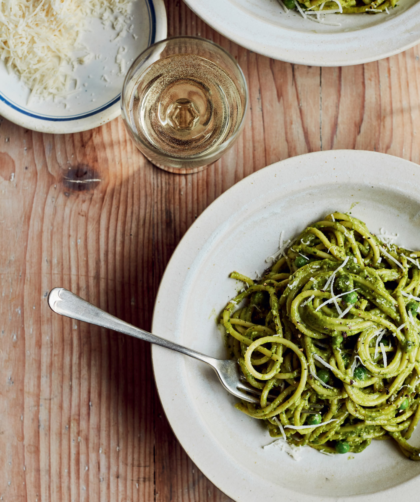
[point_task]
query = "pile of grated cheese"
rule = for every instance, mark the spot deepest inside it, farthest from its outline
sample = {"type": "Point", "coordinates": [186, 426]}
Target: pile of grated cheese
{"type": "Point", "coordinates": [38, 39]}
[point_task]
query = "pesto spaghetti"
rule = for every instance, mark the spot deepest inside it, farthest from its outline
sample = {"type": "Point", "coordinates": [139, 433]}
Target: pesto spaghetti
{"type": "Point", "coordinates": [312, 9]}
{"type": "Point", "coordinates": [329, 336]}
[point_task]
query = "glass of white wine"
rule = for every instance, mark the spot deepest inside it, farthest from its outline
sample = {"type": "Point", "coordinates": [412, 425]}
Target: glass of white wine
{"type": "Point", "coordinates": [184, 102]}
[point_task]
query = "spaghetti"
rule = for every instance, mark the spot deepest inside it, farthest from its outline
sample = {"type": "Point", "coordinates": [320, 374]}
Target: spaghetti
{"type": "Point", "coordinates": [312, 9]}
{"type": "Point", "coordinates": [330, 337]}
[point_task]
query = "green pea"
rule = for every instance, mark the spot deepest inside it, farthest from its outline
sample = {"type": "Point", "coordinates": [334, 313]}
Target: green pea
{"type": "Point", "coordinates": [360, 373]}
{"type": "Point", "coordinates": [290, 4]}
{"type": "Point", "coordinates": [301, 261]}
{"type": "Point", "coordinates": [337, 341]}
{"type": "Point", "coordinates": [351, 298]}
{"type": "Point", "coordinates": [342, 447]}
{"type": "Point", "coordinates": [314, 419]}
{"type": "Point", "coordinates": [258, 298]}
{"type": "Point", "coordinates": [323, 375]}
{"type": "Point", "coordinates": [404, 405]}
{"type": "Point", "coordinates": [412, 307]}
{"type": "Point", "coordinates": [344, 283]}
{"type": "Point", "coordinates": [346, 358]}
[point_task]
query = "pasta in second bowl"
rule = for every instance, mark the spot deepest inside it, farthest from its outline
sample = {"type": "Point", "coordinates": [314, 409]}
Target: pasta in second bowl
{"type": "Point", "coordinates": [285, 14]}
{"type": "Point", "coordinates": [340, 40]}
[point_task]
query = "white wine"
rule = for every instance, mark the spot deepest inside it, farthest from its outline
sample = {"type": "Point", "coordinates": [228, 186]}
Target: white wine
{"type": "Point", "coordinates": [184, 102]}
{"type": "Point", "coordinates": [185, 105]}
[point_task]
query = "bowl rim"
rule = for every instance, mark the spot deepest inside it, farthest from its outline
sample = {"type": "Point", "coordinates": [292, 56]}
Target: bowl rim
{"type": "Point", "coordinates": [311, 49]}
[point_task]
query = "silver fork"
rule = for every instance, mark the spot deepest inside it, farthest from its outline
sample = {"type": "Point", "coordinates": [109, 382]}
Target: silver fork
{"type": "Point", "coordinates": [66, 303]}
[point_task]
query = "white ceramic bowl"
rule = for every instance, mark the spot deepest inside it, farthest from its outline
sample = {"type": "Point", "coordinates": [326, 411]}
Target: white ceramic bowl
{"type": "Point", "coordinates": [237, 232]}
{"type": "Point", "coordinates": [98, 101]}
{"type": "Point", "coordinates": [261, 26]}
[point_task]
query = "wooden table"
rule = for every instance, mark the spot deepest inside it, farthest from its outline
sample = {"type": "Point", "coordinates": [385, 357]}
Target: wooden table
{"type": "Point", "coordinates": [80, 418]}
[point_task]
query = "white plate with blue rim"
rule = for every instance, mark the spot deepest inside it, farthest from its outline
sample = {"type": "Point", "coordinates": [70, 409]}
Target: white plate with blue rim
{"type": "Point", "coordinates": [262, 26]}
{"type": "Point", "coordinates": [237, 232]}
{"type": "Point", "coordinates": [100, 80]}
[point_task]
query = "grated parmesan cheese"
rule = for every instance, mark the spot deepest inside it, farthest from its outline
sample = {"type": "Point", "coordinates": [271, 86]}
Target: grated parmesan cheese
{"type": "Point", "coordinates": [307, 301]}
{"type": "Point", "coordinates": [322, 20]}
{"type": "Point", "coordinates": [334, 298]}
{"type": "Point", "coordinates": [390, 257]}
{"type": "Point", "coordinates": [38, 40]}
{"type": "Point", "coordinates": [331, 278]}
{"type": "Point", "coordinates": [384, 354]}
{"type": "Point", "coordinates": [293, 451]}
{"type": "Point", "coordinates": [285, 9]}
{"type": "Point", "coordinates": [121, 62]}
{"type": "Point", "coordinates": [280, 427]}
{"type": "Point", "coordinates": [401, 327]}
{"type": "Point", "coordinates": [316, 377]}
{"type": "Point", "coordinates": [407, 295]}
{"type": "Point", "coordinates": [410, 316]}
{"type": "Point", "coordinates": [297, 427]}
{"type": "Point", "coordinates": [339, 6]}
{"type": "Point", "coordinates": [379, 334]}
{"type": "Point", "coordinates": [386, 237]}
{"type": "Point", "coordinates": [298, 7]}
{"type": "Point", "coordinates": [319, 359]}
{"type": "Point", "coordinates": [281, 249]}
{"type": "Point", "coordinates": [345, 312]}
{"type": "Point", "coordinates": [416, 263]}
{"type": "Point", "coordinates": [355, 364]}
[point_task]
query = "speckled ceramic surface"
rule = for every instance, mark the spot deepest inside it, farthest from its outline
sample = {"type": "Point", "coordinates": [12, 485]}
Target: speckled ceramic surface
{"type": "Point", "coordinates": [261, 26]}
{"type": "Point", "coordinates": [100, 81]}
{"type": "Point", "coordinates": [237, 232]}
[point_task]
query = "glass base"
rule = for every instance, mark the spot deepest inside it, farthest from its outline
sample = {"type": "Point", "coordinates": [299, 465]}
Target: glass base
{"type": "Point", "coordinates": [177, 170]}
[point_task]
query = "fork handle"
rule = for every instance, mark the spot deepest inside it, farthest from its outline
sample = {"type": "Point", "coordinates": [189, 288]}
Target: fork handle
{"type": "Point", "coordinates": [68, 304]}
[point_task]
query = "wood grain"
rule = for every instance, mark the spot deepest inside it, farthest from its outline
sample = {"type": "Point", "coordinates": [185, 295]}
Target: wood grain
{"type": "Point", "coordinates": [80, 419]}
